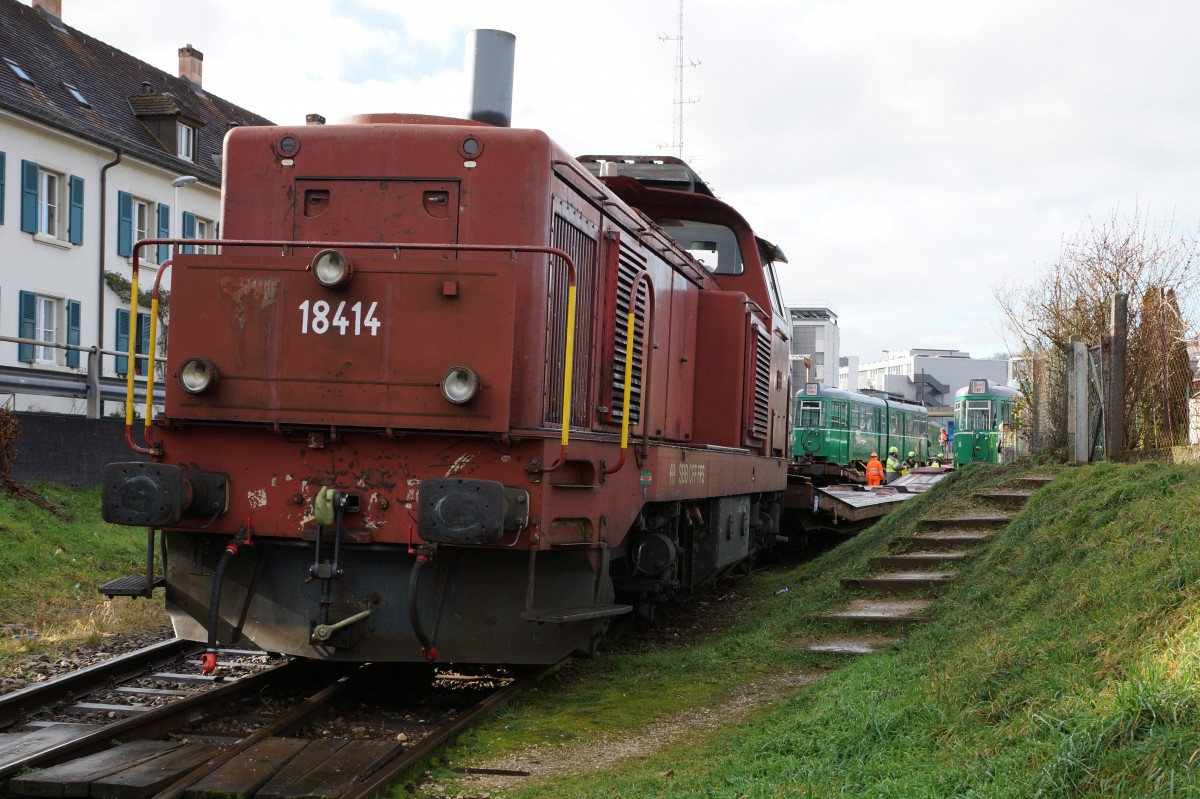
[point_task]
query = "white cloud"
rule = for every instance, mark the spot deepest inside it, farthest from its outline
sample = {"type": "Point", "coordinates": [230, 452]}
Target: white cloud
{"type": "Point", "coordinates": [906, 156]}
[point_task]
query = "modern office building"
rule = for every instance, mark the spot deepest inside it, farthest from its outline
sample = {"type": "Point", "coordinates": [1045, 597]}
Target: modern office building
{"type": "Point", "coordinates": [926, 376]}
{"type": "Point", "coordinates": [815, 339]}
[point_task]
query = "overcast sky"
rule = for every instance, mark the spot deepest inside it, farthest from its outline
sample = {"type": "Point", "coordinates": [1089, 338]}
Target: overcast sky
{"type": "Point", "coordinates": [906, 155]}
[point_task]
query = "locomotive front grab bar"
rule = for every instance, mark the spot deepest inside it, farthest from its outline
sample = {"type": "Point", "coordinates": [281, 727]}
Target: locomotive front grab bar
{"type": "Point", "coordinates": [152, 450]}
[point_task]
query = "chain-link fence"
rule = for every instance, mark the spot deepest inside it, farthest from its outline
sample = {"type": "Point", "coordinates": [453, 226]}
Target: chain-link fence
{"type": "Point", "coordinates": [1156, 404]}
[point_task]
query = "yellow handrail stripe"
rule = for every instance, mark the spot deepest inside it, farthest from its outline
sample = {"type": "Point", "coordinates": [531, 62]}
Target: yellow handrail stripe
{"type": "Point", "coordinates": [566, 411]}
{"type": "Point", "coordinates": [129, 366]}
{"type": "Point", "coordinates": [628, 379]}
{"type": "Point", "coordinates": [150, 361]}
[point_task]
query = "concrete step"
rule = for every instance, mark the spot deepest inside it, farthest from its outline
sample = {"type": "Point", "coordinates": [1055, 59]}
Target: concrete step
{"type": "Point", "coordinates": [1005, 497]}
{"type": "Point", "coordinates": [969, 521]}
{"type": "Point", "coordinates": [851, 645]}
{"type": "Point", "coordinates": [1035, 481]}
{"type": "Point", "coordinates": [884, 613]}
{"type": "Point", "coordinates": [914, 582]}
{"type": "Point", "coordinates": [948, 539]}
{"type": "Point", "coordinates": [919, 560]}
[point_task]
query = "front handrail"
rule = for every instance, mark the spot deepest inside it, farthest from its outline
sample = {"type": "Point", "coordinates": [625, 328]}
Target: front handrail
{"type": "Point", "coordinates": [398, 248]}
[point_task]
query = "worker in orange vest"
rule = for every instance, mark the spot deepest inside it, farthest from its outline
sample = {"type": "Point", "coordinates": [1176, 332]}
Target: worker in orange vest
{"type": "Point", "coordinates": [874, 470]}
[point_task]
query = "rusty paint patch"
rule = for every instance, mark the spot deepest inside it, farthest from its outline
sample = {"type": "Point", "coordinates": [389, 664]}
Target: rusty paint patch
{"type": "Point", "coordinates": [257, 499]}
{"type": "Point", "coordinates": [258, 290]}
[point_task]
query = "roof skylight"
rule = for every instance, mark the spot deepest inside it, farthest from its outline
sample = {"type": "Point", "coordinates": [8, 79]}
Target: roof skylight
{"type": "Point", "coordinates": [78, 95]}
{"type": "Point", "coordinates": [17, 68]}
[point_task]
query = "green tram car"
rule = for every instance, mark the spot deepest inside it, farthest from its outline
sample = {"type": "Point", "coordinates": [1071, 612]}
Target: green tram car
{"type": "Point", "coordinates": [983, 423]}
{"type": "Point", "coordinates": [845, 427]}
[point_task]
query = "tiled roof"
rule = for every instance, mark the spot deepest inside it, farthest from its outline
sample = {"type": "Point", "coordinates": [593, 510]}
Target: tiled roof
{"type": "Point", "coordinates": [120, 91]}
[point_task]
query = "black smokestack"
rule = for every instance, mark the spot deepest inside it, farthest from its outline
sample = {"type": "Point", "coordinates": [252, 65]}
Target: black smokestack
{"type": "Point", "coordinates": [490, 57]}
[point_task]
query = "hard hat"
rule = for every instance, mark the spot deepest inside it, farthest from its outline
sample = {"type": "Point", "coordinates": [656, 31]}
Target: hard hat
{"type": "Point", "coordinates": [893, 451]}
{"type": "Point", "coordinates": [874, 454]}
{"type": "Point", "coordinates": [912, 454]}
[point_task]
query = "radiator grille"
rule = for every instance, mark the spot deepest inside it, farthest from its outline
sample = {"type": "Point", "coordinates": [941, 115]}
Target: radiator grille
{"type": "Point", "coordinates": [761, 414]}
{"type": "Point", "coordinates": [627, 272]}
{"type": "Point", "coordinates": [582, 249]}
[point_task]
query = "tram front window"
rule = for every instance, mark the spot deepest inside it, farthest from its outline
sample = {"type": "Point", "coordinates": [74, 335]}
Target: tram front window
{"type": "Point", "coordinates": [810, 414]}
{"type": "Point", "coordinates": [978, 415]}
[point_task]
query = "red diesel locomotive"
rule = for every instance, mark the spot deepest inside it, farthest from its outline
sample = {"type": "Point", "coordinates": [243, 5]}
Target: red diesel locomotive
{"type": "Point", "coordinates": [445, 393]}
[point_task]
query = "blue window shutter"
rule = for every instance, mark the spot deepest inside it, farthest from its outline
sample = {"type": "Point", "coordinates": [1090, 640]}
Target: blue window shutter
{"type": "Point", "coordinates": [29, 197]}
{"type": "Point", "coordinates": [124, 224]}
{"type": "Point", "coordinates": [28, 327]}
{"type": "Point", "coordinates": [122, 344]}
{"type": "Point", "coordinates": [75, 222]}
{"type": "Point", "coordinates": [189, 231]}
{"type": "Point", "coordinates": [164, 231]}
{"type": "Point", "coordinates": [73, 313]}
{"type": "Point", "coordinates": [3, 171]}
{"type": "Point", "coordinates": [143, 347]}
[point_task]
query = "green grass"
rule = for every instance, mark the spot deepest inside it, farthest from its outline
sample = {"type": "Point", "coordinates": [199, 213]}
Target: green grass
{"type": "Point", "coordinates": [49, 570]}
{"type": "Point", "coordinates": [1065, 663]}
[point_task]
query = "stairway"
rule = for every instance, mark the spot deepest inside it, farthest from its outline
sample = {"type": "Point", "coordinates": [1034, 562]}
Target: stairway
{"type": "Point", "coordinates": [904, 583]}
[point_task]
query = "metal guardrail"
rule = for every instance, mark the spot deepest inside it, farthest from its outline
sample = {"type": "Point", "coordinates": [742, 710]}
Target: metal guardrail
{"type": "Point", "coordinates": [89, 384]}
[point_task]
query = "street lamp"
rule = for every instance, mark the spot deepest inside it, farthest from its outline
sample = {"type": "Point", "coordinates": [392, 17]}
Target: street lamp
{"type": "Point", "coordinates": [182, 180]}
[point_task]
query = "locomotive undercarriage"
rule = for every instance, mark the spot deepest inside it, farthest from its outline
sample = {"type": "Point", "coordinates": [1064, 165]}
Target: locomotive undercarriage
{"type": "Point", "coordinates": [471, 603]}
{"type": "Point", "coordinates": [677, 547]}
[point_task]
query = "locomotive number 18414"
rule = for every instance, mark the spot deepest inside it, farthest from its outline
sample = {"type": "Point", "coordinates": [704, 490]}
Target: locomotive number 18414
{"type": "Point", "coordinates": [315, 317]}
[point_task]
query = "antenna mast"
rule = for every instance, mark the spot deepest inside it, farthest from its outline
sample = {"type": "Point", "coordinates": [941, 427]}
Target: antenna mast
{"type": "Point", "coordinates": [680, 64]}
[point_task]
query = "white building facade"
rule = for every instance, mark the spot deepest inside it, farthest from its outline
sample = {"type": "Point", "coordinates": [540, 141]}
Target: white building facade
{"type": "Point", "coordinates": [89, 164]}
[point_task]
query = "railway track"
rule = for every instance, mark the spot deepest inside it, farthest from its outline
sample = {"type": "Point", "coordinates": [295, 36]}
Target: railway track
{"type": "Point", "coordinates": [267, 729]}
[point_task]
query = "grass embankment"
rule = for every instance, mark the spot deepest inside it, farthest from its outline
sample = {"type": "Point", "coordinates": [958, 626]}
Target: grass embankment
{"type": "Point", "coordinates": [1063, 664]}
{"type": "Point", "coordinates": [49, 570]}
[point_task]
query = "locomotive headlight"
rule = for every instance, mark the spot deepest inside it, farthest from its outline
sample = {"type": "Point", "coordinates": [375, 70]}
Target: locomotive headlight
{"type": "Point", "coordinates": [331, 269]}
{"type": "Point", "coordinates": [460, 384]}
{"type": "Point", "coordinates": [197, 375]}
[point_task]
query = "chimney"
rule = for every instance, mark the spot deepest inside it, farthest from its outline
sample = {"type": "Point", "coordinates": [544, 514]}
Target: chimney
{"type": "Point", "coordinates": [51, 7]}
{"type": "Point", "coordinates": [490, 57]}
{"type": "Point", "coordinates": [314, 119]}
{"type": "Point", "coordinates": [191, 65]}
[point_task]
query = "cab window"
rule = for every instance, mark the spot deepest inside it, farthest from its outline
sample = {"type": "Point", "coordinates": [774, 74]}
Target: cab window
{"type": "Point", "coordinates": [715, 246]}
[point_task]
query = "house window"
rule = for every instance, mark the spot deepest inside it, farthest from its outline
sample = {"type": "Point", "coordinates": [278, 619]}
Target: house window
{"type": "Point", "coordinates": [139, 219]}
{"type": "Point", "coordinates": [205, 229]}
{"type": "Point", "coordinates": [51, 204]}
{"type": "Point", "coordinates": [141, 341]}
{"type": "Point", "coordinates": [48, 321]}
{"type": "Point", "coordinates": [185, 139]}
{"type": "Point", "coordinates": [49, 191]}
{"type": "Point", "coordinates": [143, 228]}
{"type": "Point", "coordinates": [46, 329]}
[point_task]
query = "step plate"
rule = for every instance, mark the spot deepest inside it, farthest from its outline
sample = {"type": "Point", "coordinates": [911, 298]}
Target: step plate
{"type": "Point", "coordinates": [130, 586]}
{"type": "Point", "coordinates": [565, 615]}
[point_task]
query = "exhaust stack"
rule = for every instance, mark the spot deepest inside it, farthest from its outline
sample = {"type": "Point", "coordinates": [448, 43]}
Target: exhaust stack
{"type": "Point", "coordinates": [490, 58]}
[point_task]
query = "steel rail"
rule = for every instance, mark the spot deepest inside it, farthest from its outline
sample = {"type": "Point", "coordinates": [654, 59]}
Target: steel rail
{"type": "Point", "coordinates": [68, 687]}
{"type": "Point", "coordinates": [282, 725]}
{"type": "Point", "coordinates": [157, 722]}
{"type": "Point", "coordinates": [378, 783]}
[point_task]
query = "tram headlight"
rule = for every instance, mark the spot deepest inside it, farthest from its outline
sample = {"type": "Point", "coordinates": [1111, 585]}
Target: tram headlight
{"type": "Point", "coordinates": [331, 269]}
{"type": "Point", "coordinates": [197, 375]}
{"type": "Point", "coordinates": [460, 384]}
